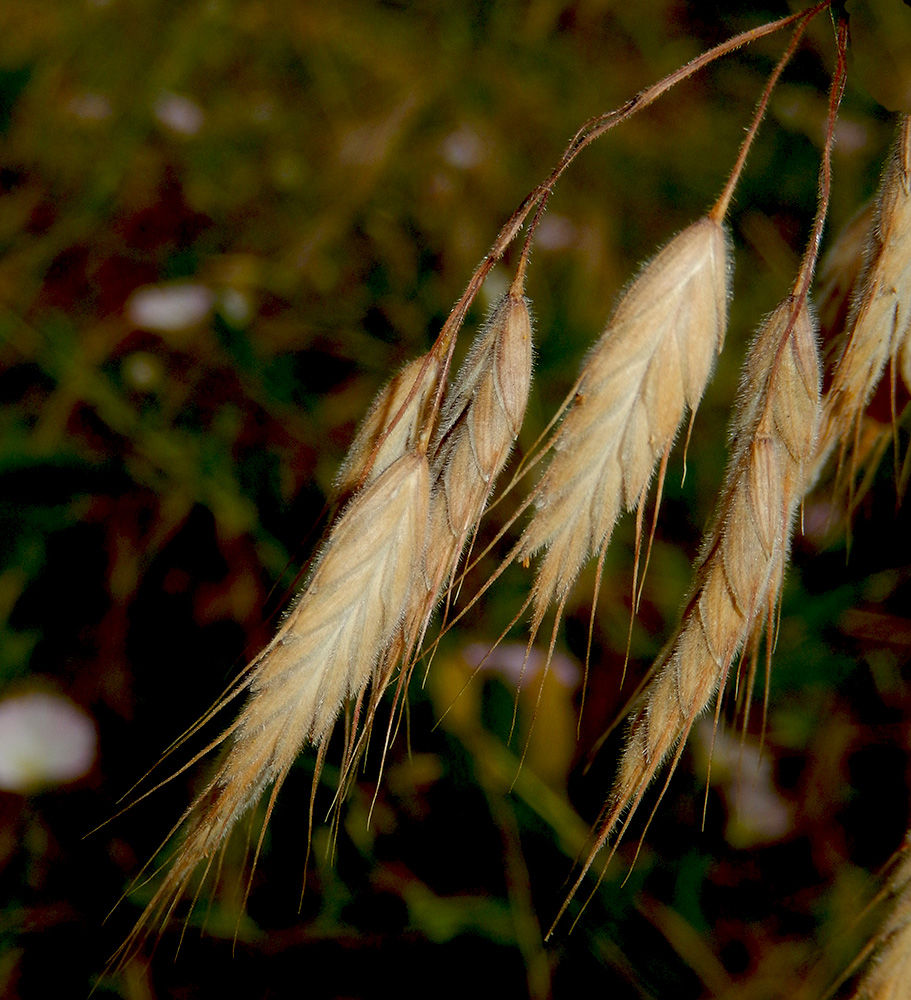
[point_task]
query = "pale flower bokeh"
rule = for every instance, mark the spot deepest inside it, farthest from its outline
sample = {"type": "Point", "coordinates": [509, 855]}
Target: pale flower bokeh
{"type": "Point", "coordinates": [45, 739]}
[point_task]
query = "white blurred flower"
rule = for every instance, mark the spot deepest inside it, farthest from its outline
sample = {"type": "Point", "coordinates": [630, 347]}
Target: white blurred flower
{"type": "Point", "coordinates": [516, 663]}
{"type": "Point", "coordinates": [179, 114]}
{"type": "Point", "coordinates": [556, 232]}
{"type": "Point", "coordinates": [463, 148]}
{"type": "Point", "coordinates": [757, 812]}
{"type": "Point", "coordinates": [168, 307]}
{"type": "Point", "coordinates": [45, 739]}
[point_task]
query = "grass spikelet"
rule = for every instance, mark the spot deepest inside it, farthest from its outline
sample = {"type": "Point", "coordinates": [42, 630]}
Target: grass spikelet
{"type": "Point", "coordinates": [837, 278]}
{"type": "Point", "coordinates": [393, 424]}
{"type": "Point", "coordinates": [881, 316]}
{"type": "Point", "coordinates": [739, 569]}
{"type": "Point", "coordinates": [904, 359]}
{"type": "Point", "coordinates": [889, 971]}
{"type": "Point", "coordinates": [325, 651]}
{"type": "Point", "coordinates": [650, 365]}
{"type": "Point", "coordinates": [479, 422]}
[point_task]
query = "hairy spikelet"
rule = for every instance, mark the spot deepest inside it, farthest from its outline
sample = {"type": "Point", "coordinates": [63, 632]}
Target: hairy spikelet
{"type": "Point", "coordinates": [904, 357]}
{"type": "Point", "coordinates": [325, 652]}
{"type": "Point", "coordinates": [742, 559]}
{"type": "Point", "coordinates": [479, 422]}
{"type": "Point", "coordinates": [401, 408]}
{"type": "Point", "coordinates": [888, 976]}
{"type": "Point", "coordinates": [837, 278]}
{"type": "Point", "coordinates": [881, 318]}
{"type": "Point", "coordinates": [743, 553]}
{"type": "Point", "coordinates": [481, 416]}
{"type": "Point", "coordinates": [650, 365]}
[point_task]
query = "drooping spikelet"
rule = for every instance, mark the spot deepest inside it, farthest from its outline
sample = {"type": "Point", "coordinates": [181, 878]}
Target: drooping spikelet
{"type": "Point", "coordinates": [650, 365]}
{"type": "Point", "coordinates": [325, 651]}
{"type": "Point", "coordinates": [888, 973]}
{"type": "Point", "coordinates": [904, 358]}
{"type": "Point", "coordinates": [479, 422]}
{"type": "Point", "coordinates": [399, 411]}
{"type": "Point", "coordinates": [880, 321]}
{"type": "Point", "coordinates": [741, 563]}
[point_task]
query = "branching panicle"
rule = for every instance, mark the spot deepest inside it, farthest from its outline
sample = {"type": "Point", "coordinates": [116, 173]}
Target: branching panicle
{"type": "Point", "coordinates": [423, 467]}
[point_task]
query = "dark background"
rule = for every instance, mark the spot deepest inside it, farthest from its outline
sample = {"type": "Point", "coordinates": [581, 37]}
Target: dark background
{"type": "Point", "coordinates": [326, 178]}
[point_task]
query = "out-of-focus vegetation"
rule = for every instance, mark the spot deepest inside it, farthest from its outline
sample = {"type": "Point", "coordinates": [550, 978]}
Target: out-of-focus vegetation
{"type": "Point", "coordinates": [224, 223]}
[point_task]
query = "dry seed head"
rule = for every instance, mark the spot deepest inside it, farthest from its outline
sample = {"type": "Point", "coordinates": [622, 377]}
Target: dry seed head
{"type": "Point", "coordinates": [889, 971]}
{"type": "Point", "coordinates": [480, 419]}
{"type": "Point", "coordinates": [904, 359]}
{"type": "Point", "coordinates": [481, 416]}
{"type": "Point", "coordinates": [739, 572]}
{"type": "Point", "coordinates": [650, 365]}
{"type": "Point", "coordinates": [838, 275]}
{"type": "Point", "coordinates": [881, 316]}
{"type": "Point", "coordinates": [326, 650]}
{"type": "Point", "coordinates": [405, 402]}
{"type": "Point", "coordinates": [330, 642]}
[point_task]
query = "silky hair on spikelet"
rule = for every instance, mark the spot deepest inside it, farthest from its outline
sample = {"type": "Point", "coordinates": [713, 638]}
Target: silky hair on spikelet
{"type": "Point", "coordinates": [393, 425]}
{"type": "Point", "coordinates": [741, 564]}
{"type": "Point", "coordinates": [888, 970]}
{"type": "Point", "coordinates": [479, 422]}
{"type": "Point", "coordinates": [880, 322]}
{"type": "Point", "coordinates": [325, 652]}
{"type": "Point", "coordinates": [480, 418]}
{"type": "Point", "coordinates": [651, 364]}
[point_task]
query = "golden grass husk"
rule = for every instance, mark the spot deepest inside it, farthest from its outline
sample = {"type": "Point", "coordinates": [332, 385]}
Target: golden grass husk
{"type": "Point", "coordinates": [888, 972]}
{"type": "Point", "coordinates": [325, 652]}
{"type": "Point", "coordinates": [739, 571]}
{"type": "Point", "coordinates": [480, 419]}
{"type": "Point", "coordinates": [650, 365]}
{"type": "Point", "coordinates": [880, 319]}
{"type": "Point", "coordinates": [837, 279]}
{"type": "Point", "coordinates": [393, 425]}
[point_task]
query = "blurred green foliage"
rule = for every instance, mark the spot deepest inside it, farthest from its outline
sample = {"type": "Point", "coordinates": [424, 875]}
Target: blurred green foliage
{"type": "Point", "coordinates": [319, 181]}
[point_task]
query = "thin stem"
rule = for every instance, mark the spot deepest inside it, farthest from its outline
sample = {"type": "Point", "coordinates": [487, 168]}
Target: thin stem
{"type": "Point", "coordinates": [593, 129]}
{"type": "Point", "coordinates": [808, 267]}
{"type": "Point", "coordinates": [721, 207]}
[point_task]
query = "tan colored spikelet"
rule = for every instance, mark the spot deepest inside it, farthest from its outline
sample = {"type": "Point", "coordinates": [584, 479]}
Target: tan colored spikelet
{"type": "Point", "coordinates": [479, 422]}
{"type": "Point", "coordinates": [838, 275]}
{"type": "Point", "coordinates": [405, 400]}
{"type": "Point", "coordinates": [326, 651]}
{"type": "Point", "coordinates": [480, 419]}
{"type": "Point", "coordinates": [740, 567]}
{"type": "Point", "coordinates": [904, 359]}
{"type": "Point", "coordinates": [889, 973]}
{"type": "Point", "coordinates": [881, 317]}
{"type": "Point", "coordinates": [651, 364]}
